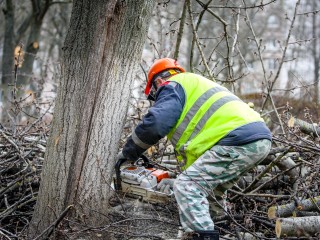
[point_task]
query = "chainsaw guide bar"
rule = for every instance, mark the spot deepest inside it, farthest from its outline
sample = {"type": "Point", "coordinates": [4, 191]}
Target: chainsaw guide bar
{"type": "Point", "coordinates": [147, 195]}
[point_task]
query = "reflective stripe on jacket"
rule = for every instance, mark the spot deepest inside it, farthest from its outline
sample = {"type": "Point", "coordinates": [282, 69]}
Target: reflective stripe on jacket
{"type": "Point", "coordinates": [210, 113]}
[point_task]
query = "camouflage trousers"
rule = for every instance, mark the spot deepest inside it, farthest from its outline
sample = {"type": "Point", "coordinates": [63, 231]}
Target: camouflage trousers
{"type": "Point", "coordinates": [217, 170]}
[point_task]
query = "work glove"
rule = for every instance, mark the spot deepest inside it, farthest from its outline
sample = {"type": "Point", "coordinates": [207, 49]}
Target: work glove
{"type": "Point", "coordinates": [165, 185]}
{"type": "Point", "coordinates": [122, 159]}
{"type": "Point", "coordinates": [120, 156]}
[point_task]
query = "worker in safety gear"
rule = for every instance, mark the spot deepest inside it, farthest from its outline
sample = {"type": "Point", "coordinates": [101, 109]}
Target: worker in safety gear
{"type": "Point", "coordinates": [216, 136]}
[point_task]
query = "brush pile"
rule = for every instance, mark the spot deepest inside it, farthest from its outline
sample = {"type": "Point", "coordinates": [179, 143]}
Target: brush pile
{"type": "Point", "coordinates": [279, 198]}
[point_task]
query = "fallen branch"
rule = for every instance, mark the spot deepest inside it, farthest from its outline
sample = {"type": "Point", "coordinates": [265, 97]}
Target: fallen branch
{"type": "Point", "coordinates": [305, 127]}
{"type": "Point", "coordinates": [259, 177]}
{"type": "Point", "coordinates": [264, 183]}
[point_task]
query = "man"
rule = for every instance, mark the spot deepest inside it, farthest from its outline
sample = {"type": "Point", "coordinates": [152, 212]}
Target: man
{"type": "Point", "coordinates": [217, 138]}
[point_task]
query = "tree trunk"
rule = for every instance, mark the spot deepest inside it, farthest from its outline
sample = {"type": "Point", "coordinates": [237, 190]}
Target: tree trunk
{"type": "Point", "coordinates": [39, 9]}
{"type": "Point", "coordinates": [8, 56]}
{"type": "Point", "coordinates": [297, 227]}
{"type": "Point", "coordinates": [31, 52]}
{"type": "Point", "coordinates": [315, 54]}
{"type": "Point", "coordinates": [102, 50]}
{"type": "Point", "coordinates": [289, 209]}
{"type": "Point", "coordinates": [8, 44]}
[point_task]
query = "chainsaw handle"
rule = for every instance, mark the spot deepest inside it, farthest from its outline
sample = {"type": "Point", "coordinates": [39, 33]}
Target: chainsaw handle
{"type": "Point", "coordinates": [146, 161]}
{"type": "Point", "coordinates": [117, 183]}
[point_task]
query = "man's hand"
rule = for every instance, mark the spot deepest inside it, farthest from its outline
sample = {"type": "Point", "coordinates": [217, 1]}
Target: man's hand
{"type": "Point", "coordinates": [120, 156]}
{"type": "Point", "coordinates": [165, 185]}
{"type": "Point", "coordinates": [121, 159]}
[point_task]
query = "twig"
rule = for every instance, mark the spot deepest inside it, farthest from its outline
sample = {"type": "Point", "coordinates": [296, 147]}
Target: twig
{"type": "Point", "coordinates": [197, 42]}
{"type": "Point", "coordinates": [283, 55]}
{"type": "Point", "coordinates": [258, 178]}
{"type": "Point", "coordinates": [180, 32]}
{"type": "Point", "coordinates": [275, 177]}
{"type": "Point", "coordinates": [226, 36]}
{"type": "Point", "coordinates": [258, 44]}
{"type": "Point", "coordinates": [259, 195]}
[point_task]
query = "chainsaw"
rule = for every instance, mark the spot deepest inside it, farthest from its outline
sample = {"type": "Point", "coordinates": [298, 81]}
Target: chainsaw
{"type": "Point", "coordinates": [140, 180]}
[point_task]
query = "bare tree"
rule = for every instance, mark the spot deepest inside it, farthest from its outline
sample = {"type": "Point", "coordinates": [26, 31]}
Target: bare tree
{"type": "Point", "coordinates": [101, 52]}
{"type": "Point", "coordinates": [17, 21]}
{"type": "Point", "coordinates": [39, 10]}
{"type": "Point", "coordinates": [316, 48]}
{"type": "Point", "coordinates": [22, 19]}
{"type": "Point", "coordinates": [8, 44]}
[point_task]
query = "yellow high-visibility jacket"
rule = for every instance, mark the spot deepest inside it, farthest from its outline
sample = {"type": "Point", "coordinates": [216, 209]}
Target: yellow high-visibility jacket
{"type": "Point", "coordinates": [210, 113]}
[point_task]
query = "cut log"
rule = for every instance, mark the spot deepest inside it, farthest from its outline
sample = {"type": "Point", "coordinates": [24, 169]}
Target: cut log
{"type": "Point", "coordinates": [287, 163]}
{"type": "Point", "coordinates": [289, 209]}
{"type": "Point", "coordinates": [304, 126]}
{"type": "Point", "coordinates": [297, 227]}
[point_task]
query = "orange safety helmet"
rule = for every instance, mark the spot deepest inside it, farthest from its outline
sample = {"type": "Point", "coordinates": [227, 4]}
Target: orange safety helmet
{"type": "Point", "coordinates": [159, 66]}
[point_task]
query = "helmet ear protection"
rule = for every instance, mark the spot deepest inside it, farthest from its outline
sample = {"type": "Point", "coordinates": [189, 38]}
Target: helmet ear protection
{"type": "Point", "coordinates": [164, 74]}
{"type": "Point", "coordinates": [160, 66]}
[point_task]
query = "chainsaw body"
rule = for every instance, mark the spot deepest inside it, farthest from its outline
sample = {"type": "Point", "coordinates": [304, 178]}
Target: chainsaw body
{"type": "Point", "coordinates": [140, 180]}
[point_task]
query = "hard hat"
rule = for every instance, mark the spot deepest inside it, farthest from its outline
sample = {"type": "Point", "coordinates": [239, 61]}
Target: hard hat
{"type": "Point", "coordinates": [159, 66]}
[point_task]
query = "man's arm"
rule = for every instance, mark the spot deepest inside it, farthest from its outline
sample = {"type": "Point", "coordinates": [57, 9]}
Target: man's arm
{"type": "Point", "coordinates": [158, 122]}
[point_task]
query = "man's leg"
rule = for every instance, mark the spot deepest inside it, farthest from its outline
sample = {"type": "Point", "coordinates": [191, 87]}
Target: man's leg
{"type": "Point", "coordinates": [219, 166]}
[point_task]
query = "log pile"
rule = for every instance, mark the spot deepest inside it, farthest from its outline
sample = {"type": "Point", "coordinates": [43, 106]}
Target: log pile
{"type": "Point", "coordinates": [298, 218]}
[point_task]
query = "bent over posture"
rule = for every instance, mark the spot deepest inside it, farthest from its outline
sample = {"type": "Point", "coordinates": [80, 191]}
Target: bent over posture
{"type": "Point", "coordinates": [216, 136]}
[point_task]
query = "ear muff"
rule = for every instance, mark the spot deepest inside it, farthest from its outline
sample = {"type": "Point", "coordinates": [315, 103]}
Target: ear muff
{"type": "Point", "coordinates": [160, 66]}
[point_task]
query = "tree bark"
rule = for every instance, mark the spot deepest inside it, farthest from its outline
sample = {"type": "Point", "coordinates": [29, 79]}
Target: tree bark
{"type": "Point", "coordinates": [315, 54]}
{"type": "Point", "coordinates": [7, 57]}
{"type": "Point", "coordinates": [287, 163]}
{"type": "Point", "coordinates": [102, 50]}
{"type": "Point", "coordinates": [306, 214]}
{"type": "Point", "coordinates": [8, 45]}
{"type": "Point", "coordinates": [289, 209]}
{"type": "Point", "coordinates": [180, 32]}
{"type": "Point", "coordinates": [297, 227]}
{"type": "Point", "coordinates": [31, 52]}
{"type": "Point", "coordinates": [39, 9]}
